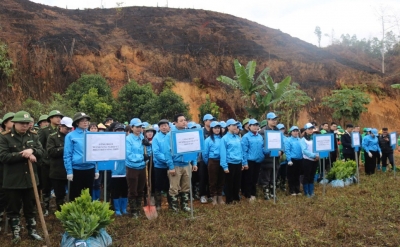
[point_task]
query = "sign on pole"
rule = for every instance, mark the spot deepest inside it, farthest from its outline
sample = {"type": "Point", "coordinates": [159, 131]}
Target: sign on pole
{"type": "Point", "coordinates": [323, 144]}
{"type": "Point", "coordinates": [274, 144]}
{"type": "Point", "coordinates": [105, 146]}
{"type": "Point", "coordinates": [356, 144]}
{"type": "Point", "coordinates": [187, 141]}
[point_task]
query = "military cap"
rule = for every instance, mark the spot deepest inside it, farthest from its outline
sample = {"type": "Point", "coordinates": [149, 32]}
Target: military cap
{"type": "Point", "coordinates": [22, 117]}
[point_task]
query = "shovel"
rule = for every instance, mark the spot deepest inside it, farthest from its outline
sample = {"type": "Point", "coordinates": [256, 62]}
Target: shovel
{"type": "Point", "coordinates": [149, 210]}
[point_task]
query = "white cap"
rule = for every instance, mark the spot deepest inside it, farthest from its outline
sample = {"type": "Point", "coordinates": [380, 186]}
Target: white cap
{"type": "Point", "coordinates": [67, 121]}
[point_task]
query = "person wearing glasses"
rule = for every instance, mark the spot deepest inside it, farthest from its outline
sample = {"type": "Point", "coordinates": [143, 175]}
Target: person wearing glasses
{"type": "Point", "coordinates": [81, 174]}
{"type": "Point", "coordinates": [310, 160]}
{"type": "Point", "coordinates": [55, 150]}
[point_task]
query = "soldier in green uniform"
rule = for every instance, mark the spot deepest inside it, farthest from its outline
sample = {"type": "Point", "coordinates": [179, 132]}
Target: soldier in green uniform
{"type": "Point", "coordinates": [55, 150]}
{"type": "Point", "coordinates": [54, 118]}
{"type": "Point", "coordinates": [42, 122]}
{"type": "Point", "coordinates": [17, 147]}
{"type": "Point", "coordinates": [6, 125]}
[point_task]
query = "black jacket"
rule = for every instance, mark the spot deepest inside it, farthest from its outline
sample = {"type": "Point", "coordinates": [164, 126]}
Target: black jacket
{"type": "Point", "coordinates": [384, 144]}
{"type": "Point", "coordinates": [346, 143]}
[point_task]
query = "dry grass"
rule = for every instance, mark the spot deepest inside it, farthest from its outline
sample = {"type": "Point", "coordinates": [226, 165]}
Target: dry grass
{"type": "Point", "coordinates": [359, 215]}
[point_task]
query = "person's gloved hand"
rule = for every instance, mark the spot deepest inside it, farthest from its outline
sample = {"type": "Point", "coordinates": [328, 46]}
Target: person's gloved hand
{"type": "Point", "coordinates": [96, 176]}
{"type": "Point", "coordinates": [290, 163]}
{"type": "Point", "coordinates": [380, 154]}
{"type": "Point", "coordinates": [370, 154]}
{"type": "Point", "coordinates": [146, 157]}
{"type": "Point", "coordinates": [70, 177]}
{"type": "Point", "coordinates": [145, 142]}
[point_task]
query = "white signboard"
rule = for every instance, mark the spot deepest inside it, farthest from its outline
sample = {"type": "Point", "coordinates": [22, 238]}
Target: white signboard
{"type": "Point", "coordinates": [393, 138]}
{"type": "Point", "coordinates": [356, 139]}
{"type": "Point", "coordinates": [274, 140]}
{"type": "Point", "coordinates": [188, 142]}
{"type": "Point", "coordinates": [323, 143]}
{"type": "Point", "coordinates": [105, 146]}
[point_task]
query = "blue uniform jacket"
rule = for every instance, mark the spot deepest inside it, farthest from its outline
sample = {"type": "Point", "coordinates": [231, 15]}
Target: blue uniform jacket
{"type": "Point", "coordinates": [305, 149]}
{"type": "Point", "coordinates": [293, 148]}
{"type": "Point", "coordinates": [73, 152]}
{"type": "Point", "coordinates": [119, 169]}
{"type": "Point", "coordinates": [253, 147]}
{"type": "Point", "coordinates": [211, 148]}
{"type": "Point", "coordinates": [230, 150]}
{"type": "Point", "coordinates": [134, 152]}
{"type": "Point", "coordinates": [161, 146]}
{"type": "Point", "coordinates": [370, 143]}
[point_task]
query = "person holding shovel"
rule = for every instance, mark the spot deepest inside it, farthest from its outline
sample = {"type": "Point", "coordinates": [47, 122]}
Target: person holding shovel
{"type": "Point", "coordinates": [17, 146]}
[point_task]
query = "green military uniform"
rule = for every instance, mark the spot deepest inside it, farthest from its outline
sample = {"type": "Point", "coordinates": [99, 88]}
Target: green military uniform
{"type": "Point", "coordinates": [44, 134]}
{"type": "Point", "coordinates": [17, 181]}
{"type": "Point", "coordinates": [58, 174]}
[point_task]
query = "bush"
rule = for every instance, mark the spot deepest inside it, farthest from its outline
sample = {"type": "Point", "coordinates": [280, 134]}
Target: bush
{"type": "Point", "coordinates": [208, 107]}
{"type": "Point", "coordinates": [6, 63]}
{"type": "Point", "coordinates": [342, 170]}
{"type": "Point", "coordinates": [83, 218]}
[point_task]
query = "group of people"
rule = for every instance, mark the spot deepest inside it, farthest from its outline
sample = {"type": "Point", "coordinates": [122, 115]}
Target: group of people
{"type": "Point", "coordinates": [232, 164]}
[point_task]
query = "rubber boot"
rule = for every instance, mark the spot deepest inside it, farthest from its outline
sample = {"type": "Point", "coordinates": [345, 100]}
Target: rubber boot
{"type": "Point", "coordinates": [59, 203]}
{"type": "Point", "coordinates": [123, 203]}
{"type": "Point", "coordinates": [266, 192]}
{"type": "Point", "coordinates": [1, 219]}
{"type": "Point", "coordinates": [15, 229]}
{"type": "Point", "coordinates": [214, 200]}
{"type": "Point", "coordinates": [185, 201]}
{"type": "Point", "coordinates": [271, 191]}
{"type": "Point", "coordinates": [383, 168]}
{"type": "Point", "coordinates": [31, 226]}
{"type": "Point", "coordinates": [311, 190]}
{"type": "Point", "coordinates": [117, 207]}
{"type": "Point", "coordinates": [46, 202]}
{"type": "Point", "coordinates": [174, 203]}
{"type": "Point", "coordinates": [283, 185]}
{"type": "Point", "coordinates": [133, 208]}
{"type": "Point", "coordinates": [96, 195]}
{"type": "Point", "coordinates": [220, 200]}
{"type": "Point", "coordinates": [157, 199]}
{"type": "Point", "coordinates": [378, 167]}
{"type": "Point", "coordinates": [169, 201]}
{"type": "Point", "coordinates": [138, 204]}
{"type": "Point", "coordinates": [305, 188]}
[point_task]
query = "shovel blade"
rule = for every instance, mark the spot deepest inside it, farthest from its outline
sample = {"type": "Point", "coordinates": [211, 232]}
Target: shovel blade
{"type": "Point", "coordinates": [151, 212]}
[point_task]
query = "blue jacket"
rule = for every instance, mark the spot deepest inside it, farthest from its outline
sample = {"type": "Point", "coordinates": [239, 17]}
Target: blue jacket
{"type": "Point", "coordinates": [161, 146]}
{"type": "Point", "coordinates": [73, 152]}
{"type": "Point", "coordinates": [119, 169]}
{"type": "Point", "coordinates": [181, 160]}
{"type": "Point", "coordinates": [211, 148]}
{"type": "Point", "coordinates": [134, 152]}
{"type": "Point", "coordinates": [305, 149]}
{"type": "Point", "coordinates": [253, 147]}
{"type": "Point", "coordinates": [293, 148]}
{"type": "Point", "coordinates": [230, 150]}
{"type": "Point", "coordinates": [370, 143]}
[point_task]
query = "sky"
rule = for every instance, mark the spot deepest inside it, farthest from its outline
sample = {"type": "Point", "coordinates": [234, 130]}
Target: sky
{"type": "Point", "coordinates": [297, 18]}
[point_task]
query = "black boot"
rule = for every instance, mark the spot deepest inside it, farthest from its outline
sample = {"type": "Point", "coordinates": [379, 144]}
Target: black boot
{"type": "Point", "coordinates": [15, 229]}
{"type": "Point", "coordinates": [133, 208]}
{"type": "Point", "coordinates": [138, 204]}
{"type": "Point", "coordinates": [46, 202]}
{"type": "Point", "coordinates": [59, 203]}
{"type": "Point", "coordinates": [185, 201]}
{"type": "Point", "coordinates": [157, 198]}
{"type": "Point", "coordinates": [31, 226]}
{"type": "Point", "coordinates": [1, 219]}
{"type": "Point", "coordinates": [271, 191]}
{"type": "Point", "coordinates": [266, 192]}
{"type": "Point", "coordinates": [169, 201]}
{"type": "Point", "coordinates": [283, 185]}
{"type": "Point", "coordinates": [174, 203]}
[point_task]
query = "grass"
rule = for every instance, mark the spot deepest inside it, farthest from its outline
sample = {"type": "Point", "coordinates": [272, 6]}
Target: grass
{"type": "Point", "coordinates": [358, 215]}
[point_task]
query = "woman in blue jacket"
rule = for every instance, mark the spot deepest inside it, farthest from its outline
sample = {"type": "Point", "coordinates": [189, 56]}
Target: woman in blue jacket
{"type": "Point", "coordinates": [119, 186]}
{"type": "Point", "coordinates": [372, 151]}
{"type": "Point", "coordinates": [231, 161]}
{"type": "Point", "coordinates": [253, 154]}
{"type": "Point", "coordinates": [211, 157]}
{"type": "Point", "coordinates": [310, 160]}
{"type": "Point", "coordinates": [135, 167]}
{"type": "Point", "coordinates": [80, 174]}
{"type": "Point", "coordinates": [294, 158]}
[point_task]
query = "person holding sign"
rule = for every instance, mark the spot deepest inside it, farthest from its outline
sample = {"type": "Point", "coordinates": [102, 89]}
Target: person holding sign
{"type": "Point", "coordinates": [372, 151]}
{"type": "Point", "coordinates": [135, 167]}
{"type": "Point", "coordinates": [80, 174]}
{"type": "Point", "coordinates": [345, 139]}
{"type": "Point", "coordinates": [179, 171]}
{"type": "Point", "coordinates": [294, 157]}
{"type": "Point", "coordinates": [231, 161]}
{"type": "Point", "coordinates": [310, 160]}
{"type": "Point", "coordinates": [253, 156]}
{"type": "Point", "coordinates": [386, 148]}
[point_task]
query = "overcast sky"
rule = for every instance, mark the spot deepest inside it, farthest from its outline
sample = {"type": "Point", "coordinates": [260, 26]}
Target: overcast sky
{"type": "Point", "coordinates": [295, 17]}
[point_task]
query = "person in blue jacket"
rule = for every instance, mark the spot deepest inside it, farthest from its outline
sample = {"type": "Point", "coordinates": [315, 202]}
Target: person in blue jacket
{"type": "Point", "coordinates": [80, 174]}
{"type": "Point", "coordinates": [294, 158]}
{"type": "Point", "coordinates": [162, 155]}
{"type": "Point", "coordinates": [211, 158]}
{"type": "Point", "coordinates": [231, 157]}
{"type": "Point", "coordinates": [253, 155]}
{"type": "Point", "coordinates": [135, 167]}
{"type": "Point", "coordinates": [372, 151]}
{"type": "Point", "coordinates": [282, 172]}
{"type": "Point", "coordinates": [119, 186]}
{"type": "Point", "coordinates": [310, 160]}
{"type": "Point", "coordinates": [179, 172]}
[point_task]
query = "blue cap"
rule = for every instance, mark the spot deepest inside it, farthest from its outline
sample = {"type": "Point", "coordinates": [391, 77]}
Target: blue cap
{"type": "Point", "coordinates": [136, 122]}
{"type": "Point", "coordinates": [191, 125]}
{"type": "Point", "coordinates": [293, 128]}
{"type": "Point", "coordinates": [223, 124]}
{"type": "Point", "coordinates": [374, 131]}
{"type": "Point", "coordinates": [253, 121]}
{"type": "Point", "coordinates": [308, 126]}
{"type": "Point", "coordinates": [145, 124]}
{"type": "Point", "coordinates": [215, 123]}
{"type": "Point", "coordinates": [271, 115]}
{"type": "Point", "coordinates": [231, 121]}
{"type": "Point", "coordinates": [155, 127]}
{"type": "Point", "coordinates": [369, 129]}
{"type": "Point", "coordinates": [280, 126]}
{"type": "Point", "coordinates": [240, 126]}
{"type": "Point", "coordinates": [208, 117]}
